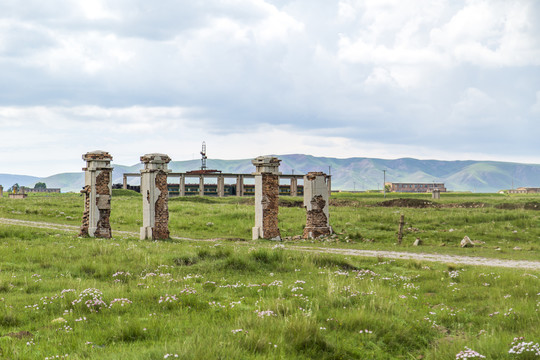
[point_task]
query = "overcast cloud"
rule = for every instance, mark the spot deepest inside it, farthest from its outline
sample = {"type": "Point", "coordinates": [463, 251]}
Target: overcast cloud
{"type": "Point", "coordinates": [441, 79]}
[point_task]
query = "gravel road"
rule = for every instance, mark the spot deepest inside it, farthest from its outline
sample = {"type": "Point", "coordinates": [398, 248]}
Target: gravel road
{"type": "Point", "coordinates": [454, 259]}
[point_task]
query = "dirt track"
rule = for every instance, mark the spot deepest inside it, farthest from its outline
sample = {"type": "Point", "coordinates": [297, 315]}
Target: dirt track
{"type": "Point", "coordinates": [454, 259]}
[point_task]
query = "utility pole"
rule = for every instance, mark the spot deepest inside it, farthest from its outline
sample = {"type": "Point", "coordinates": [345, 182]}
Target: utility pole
{"type": "Point", "coordinates": [384, 183]}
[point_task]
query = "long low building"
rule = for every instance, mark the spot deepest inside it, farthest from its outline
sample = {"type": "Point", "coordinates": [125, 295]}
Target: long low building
{"type": "Point", "coordinates": [524, 190]}
{"type": "Point", "coordinates": [415, 187]}
{"type": "Point", "coordinates": [238, 188]}
{"type": "Point", "coordinates": [28, 190]}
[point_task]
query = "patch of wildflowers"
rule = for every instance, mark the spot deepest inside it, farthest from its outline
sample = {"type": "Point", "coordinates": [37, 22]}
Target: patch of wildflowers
{"type": "Point", "coordinates": [469, 354]}
{"type": "Point", "coordinates": [521, 347]}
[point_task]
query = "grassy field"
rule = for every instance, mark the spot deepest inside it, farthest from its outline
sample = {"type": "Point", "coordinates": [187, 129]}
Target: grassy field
{"type": "Point", "coordinates": [503, 226]}
{"type": "Point", "coordinates": [79, 298]}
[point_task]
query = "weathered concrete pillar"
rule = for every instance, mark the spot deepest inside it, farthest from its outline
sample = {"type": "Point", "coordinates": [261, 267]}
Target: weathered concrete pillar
{"type": "Point", "coordinates": [294, 186]}
{"type": "Point", "coordinates": [266, 198]}
{"type": "Point", "coordinates": [155, 196]}
{"type": "Point", "coordinates": [1, 191]}
{"type": "Point", "coordinates": [201, 185]}
{"type": "Point", "coordinates": [436, 194]}
{"type": "Point", "coordinates": [182, 188]}
{"type": "Point", "coordinates": [221, 186]}
{"type": "Point", "coordinates": [316, 203]}
{"type": "Point", "coordinates": [97, 194]}
{"type": "Point", "coordinates": [124, 185]}
{"type": "Point", "coordinates": [329, 183]}
{"type": "Point", "coordinates": [239, 185]}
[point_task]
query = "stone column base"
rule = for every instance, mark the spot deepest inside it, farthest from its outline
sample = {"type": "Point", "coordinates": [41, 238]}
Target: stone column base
{"type": "Point", "coordinates": [257, 233]}
{"type": "Point", "coordinates": [316, 232]}
{"type": "Point", "coordinates": [146, 233]}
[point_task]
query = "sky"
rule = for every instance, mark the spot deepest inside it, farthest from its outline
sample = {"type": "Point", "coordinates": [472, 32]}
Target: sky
{"type": "Point", "coordinates": [431, 79]}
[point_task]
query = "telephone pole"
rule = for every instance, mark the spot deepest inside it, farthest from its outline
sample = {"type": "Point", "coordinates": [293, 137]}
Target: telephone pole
{"type": "Point", "coordinates": [384, 183]}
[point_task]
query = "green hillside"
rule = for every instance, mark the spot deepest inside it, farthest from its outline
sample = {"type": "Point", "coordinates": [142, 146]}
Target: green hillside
{"type": "Point", "coordinates": [347, 174]}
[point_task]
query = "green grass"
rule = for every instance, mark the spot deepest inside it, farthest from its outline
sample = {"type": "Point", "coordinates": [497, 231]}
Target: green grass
{"type": "Point", "coordinates": [225, 300]}
{"type": "Point", "coordinates": [499, 223]}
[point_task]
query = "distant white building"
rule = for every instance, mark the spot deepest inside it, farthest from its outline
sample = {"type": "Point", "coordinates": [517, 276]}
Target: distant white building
{"type": "Point", "coordinates": [524, 190]}
{"type": "Point", "coordinates": [415, 187]}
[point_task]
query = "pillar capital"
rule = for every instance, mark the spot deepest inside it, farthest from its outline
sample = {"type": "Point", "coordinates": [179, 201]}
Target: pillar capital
{"type": "Point", "coordinates": [155, 158]}
{"type": "Point", "coordinates": [266, 164]}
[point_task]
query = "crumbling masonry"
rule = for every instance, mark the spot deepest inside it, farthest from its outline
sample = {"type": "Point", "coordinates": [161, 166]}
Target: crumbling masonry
{"type": "Point", "coordinates": [97, 194]}
{"type": "Point", "coordinates": [266, 198]}
{"type": "Point", "coordinates": [316, 204]}
{"type": "Point", "coordinates": [155, 196]}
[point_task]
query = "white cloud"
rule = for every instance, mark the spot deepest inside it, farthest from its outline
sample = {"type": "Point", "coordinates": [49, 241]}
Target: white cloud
{"type": "Point", "coordinates": [536, 107]}
{"type": "Point", "coordinates": [474, 107]}
{"type": "Point", "coordinates": [355, 71]}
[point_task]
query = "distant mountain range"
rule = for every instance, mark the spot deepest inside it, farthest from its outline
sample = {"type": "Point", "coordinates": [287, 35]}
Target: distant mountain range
{"type": "Point", "coordinates": [347, 174]}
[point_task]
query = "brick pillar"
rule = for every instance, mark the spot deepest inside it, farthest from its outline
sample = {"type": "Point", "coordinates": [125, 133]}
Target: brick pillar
{"type": "Point", "coordinates": [221, 186]}
{"type": "Point", "coordinates": [124, 185]}
{"type": "Point", "coordinates": [155, 196]}
{"type": "Point", "coordinates": [294, 186]}
{"type": "Point", "coordinates": [266, 198]}
{"type": "Point", "coordinates": [201, 185]}
{"type": "Point", "coordinates": [316, 203]}
{"type": "Point", "coordinates": [97, 194]}
{"type": "Point", "coordinates": [182, 189]}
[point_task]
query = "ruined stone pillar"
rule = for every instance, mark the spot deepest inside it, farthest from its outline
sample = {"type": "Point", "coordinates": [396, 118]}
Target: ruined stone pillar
{"type": "Point", "coordinates": [436, 194]}
{"type": "Point", "coordinates": [124, 185]}
{"type": "Point", "coordinates": [316, 203]}
{"type": "Point", "coordinates": [155, 196]}
{"type": "Point", "coordinates": [221, 186]}
{"type": "Point", "coordinates": [266, 198]}
{"type": "Point", "coordinates": [97, 194]}
{"type": "Point", "coordinates": [182, 189]}
{"type": "Point", "coordinates": [201, 185]}
{"type": "Point", "coordinates": [1, 191]}
{"type": "Point", "coordinates": [294, 186]}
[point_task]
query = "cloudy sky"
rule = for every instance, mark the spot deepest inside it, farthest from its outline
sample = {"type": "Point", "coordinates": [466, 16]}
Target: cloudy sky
{"type": "Point", "coordinates": [432, 79]}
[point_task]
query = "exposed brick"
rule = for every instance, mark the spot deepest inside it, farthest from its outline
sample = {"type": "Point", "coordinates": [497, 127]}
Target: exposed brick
{"type": "Point", "coordinates": [161, 226]}
{"type": "Point", "coordinates": [316, 220]}
{"type": "Point", "coordinates": [104, 207]}
{"type": "Point", "coordinates": [270, 201]}
{"type": "Point", "coordinates": [86, 214]}
{"type": "Point", "coordinates": [315, 202]}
